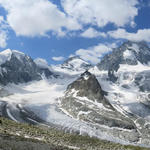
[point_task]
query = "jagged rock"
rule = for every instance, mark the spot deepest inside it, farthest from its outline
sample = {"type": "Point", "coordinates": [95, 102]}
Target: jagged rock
{"type": "Point", "coordinates": [130, 53]}
{"type": "Point", "coordinates": [18, 69]}
{"type": "Point", "coordinates": [46, 72]}
{"type": "Point", "coordinates": [87, 86]}
{"type": "Point", "coordinates": [85, 100]}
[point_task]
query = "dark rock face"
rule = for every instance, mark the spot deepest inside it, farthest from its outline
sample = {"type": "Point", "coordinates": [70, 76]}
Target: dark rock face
{"type": "Point", "coordinates": [46, 72]}
{"type": "Point", "coordinates": [111, 62]}
{"type": "Point", "coordinates": [87, 86]}
{"type": "Point", "coordinates": [19, 70]}
{"type": "Point", "coordinates": [142, 80]}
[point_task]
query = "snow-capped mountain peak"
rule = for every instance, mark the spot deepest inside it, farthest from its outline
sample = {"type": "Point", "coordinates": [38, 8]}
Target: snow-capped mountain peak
{"type": "Point", "coordinates": [19, 55]}
{"type": "Point", "coordinates": [7, 54]}
{"type": "Point", "coordinates": [76, 63]}
{"type": "Point", "coordinates": [129, 53]}
{"type": "Point", "coordinates": [73, 65]}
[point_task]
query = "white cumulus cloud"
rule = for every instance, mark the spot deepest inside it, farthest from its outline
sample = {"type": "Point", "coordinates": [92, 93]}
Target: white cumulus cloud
{"type": "Point", "coordinates": [93, 54]}
{"type": "Point", "coordinates": [92, 33]}
{"type": "Point", "coordinates": [3, 39]}
{"type": "Point", "coordinates": [41, 62]}
{"type": "Point", "coordinates": [60, 58]}
{"type": "Point", "coordinates": [37, 17]}
{"type": "Point", "coordinates": [102, 12]}
{"type": "Point", "coordinates": [140, 35]}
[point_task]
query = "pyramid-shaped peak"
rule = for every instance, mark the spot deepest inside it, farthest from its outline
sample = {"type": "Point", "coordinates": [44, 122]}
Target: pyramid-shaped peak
{"type": "Point", "coordinates": [87, 86]}
{"type": "Point", "coordinates": [86, 75]}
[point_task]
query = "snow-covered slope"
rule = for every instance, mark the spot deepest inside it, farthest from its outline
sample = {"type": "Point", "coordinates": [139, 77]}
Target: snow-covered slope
{"type": "Point", "coordinates": [7, 54]}
{"type": "Point", "coordinates": [45, 70]}
{"type": "Point", "coordinates": [17, 67]}
{"type": "Point", "coordinates": [129, 53]}
{"type": "Point", "coordinates": [73, 66]}
{"type": "Point", "coordinates": [125, 76]}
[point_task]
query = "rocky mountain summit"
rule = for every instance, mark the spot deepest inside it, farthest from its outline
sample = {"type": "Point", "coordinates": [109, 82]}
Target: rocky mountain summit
{"type": "Point", "coordinates": [16, 67]}
{"type": "Point", "coordinates": [76, 63]}
{"type": "Point", "coordinates": [128, 53]}
{"type": "Point", "coordinates": [84, 99]}
{"type": "Point", "coordinates": [129, 62]}
{"type": "Point", "coordinates": [72, 66]}
{"type": "Point", "coordinates": [87, 86]}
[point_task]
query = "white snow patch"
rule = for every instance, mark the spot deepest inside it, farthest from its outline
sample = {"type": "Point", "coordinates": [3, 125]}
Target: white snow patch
{"type": "Point", "coordinates": [83, 113]}
{"type": "Point", "coordinates": [35, 92]}
{"type": "Point", "coordinates": [135, 47]}
{"type": "Point", "coordinates": [94, 70]}
{"type": "Point", "coordinates": [5, 56]}
{"type": "Point", "coordinates": [18, 54]}
{"type": "Point", "coordinates": [10, 115]}
{"type": "Point", "coordinates": [86, 77]}
{"type": "Point", "coordinates": [133, 68]}
{"type": "Point", "coordinates": [128, 55]}
{"type": "Point", "coordinates": [72, 147]}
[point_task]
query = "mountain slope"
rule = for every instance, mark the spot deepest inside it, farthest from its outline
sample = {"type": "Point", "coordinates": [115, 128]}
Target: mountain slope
{"type": "Point", "coordinates": [44, 68]}
{"type": "Point", "coordinates": [130, 53]}
{"type": "Point", "coordinates": [18, 136]}
{"type": "Point", "coordinates": [16, 67]}
{"type": "Point", "coordinates": [73, 65]}
{"type": "Point", "coordinates": [84, 100]}
{"type": "Point", "coordinates": [125, 75]}
{"type": "Point", "coordinates": [110, 101]}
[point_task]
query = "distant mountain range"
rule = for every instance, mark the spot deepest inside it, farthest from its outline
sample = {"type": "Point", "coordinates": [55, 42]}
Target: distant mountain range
{"type": "Point", "coordinates": [110, 100]}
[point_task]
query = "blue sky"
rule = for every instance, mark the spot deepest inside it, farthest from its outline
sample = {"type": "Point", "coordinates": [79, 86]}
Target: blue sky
{"type": "Point", "coordinates": [56, 29]}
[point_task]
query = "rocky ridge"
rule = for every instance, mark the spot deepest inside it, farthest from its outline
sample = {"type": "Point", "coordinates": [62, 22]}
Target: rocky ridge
{"type": "Point", "coordinates": [84, 99]}
{"type": "Point", "coordinates": [16, 67]}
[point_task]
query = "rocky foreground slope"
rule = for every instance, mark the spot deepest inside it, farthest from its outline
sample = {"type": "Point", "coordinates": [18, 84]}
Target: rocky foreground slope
{"type": "Point", "coordinates": [16, 136]}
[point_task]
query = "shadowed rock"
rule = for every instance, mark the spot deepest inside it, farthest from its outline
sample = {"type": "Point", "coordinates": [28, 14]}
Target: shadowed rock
{"type": "Point", "coordinates": [87, 86]}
